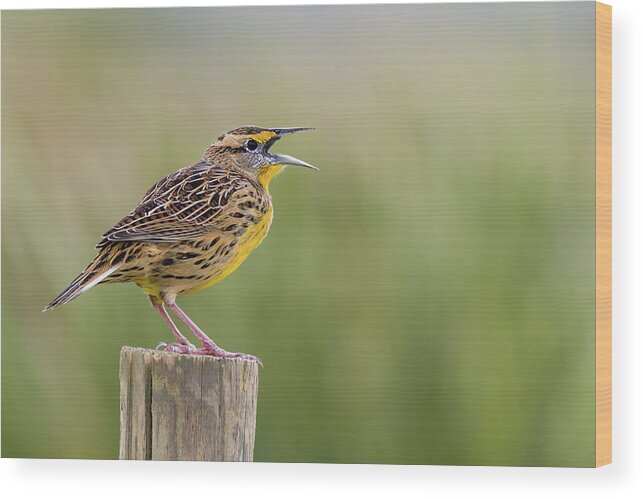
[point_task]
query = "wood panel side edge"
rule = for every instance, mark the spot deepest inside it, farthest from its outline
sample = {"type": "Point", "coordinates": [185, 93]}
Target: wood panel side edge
{"type": "Point", "coordinates": [603, 234]}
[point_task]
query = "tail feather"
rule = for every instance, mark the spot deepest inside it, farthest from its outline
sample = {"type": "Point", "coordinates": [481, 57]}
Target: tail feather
{"type": "Point", "coordinates": [91, 276]}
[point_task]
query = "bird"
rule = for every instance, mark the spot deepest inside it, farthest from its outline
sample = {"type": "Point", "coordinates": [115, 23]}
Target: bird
{"type": "Point", "coordinates": [192, 229]}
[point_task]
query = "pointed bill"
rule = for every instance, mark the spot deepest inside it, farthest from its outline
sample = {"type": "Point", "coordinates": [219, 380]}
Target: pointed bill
{"type": "Point", "coordinates": [285, 159]}
{"type": "Point", "coordinates": [287, 131]}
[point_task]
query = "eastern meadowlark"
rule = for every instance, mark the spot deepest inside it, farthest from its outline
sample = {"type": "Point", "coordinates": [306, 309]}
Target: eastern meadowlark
{"type": "Point", "coordinates": [192, 229]}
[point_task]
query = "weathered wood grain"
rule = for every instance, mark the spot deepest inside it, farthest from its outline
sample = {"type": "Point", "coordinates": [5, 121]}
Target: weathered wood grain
{"type": "Point", "coordinates": [187, 408]}
{"type": "Point", "coordinates": [603, 234]}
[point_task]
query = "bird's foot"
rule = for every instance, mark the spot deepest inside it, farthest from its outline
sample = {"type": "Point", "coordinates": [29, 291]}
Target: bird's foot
{"type": "Point", "coordinates": [208, 349]}
{"type": "Point", "coordinates": [215, 351]}
{"type": "Point", "coordinates": [185, 348]}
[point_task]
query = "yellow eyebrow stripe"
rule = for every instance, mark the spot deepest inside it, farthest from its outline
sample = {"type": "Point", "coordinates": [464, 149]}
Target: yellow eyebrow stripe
{"type": "Point", "coordinates": [264, 136]}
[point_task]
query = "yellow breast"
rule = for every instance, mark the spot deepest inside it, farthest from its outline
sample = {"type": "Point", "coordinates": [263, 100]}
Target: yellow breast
{"type": "Point", "coordinates": [252, 238]}
{"type": "Point", "coordinates": [247, 244]}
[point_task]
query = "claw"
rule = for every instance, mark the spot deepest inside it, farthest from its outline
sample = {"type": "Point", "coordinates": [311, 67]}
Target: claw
{"type": "Point", "coordinates": [215, 351]}
{"type": "Point", "coordinates": [211, 350]}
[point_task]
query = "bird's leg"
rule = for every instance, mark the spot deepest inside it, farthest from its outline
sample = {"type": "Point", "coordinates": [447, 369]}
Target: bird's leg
{"type": "Point", "coordinates": [182, 345]}
{"type": "Point", "coordinates": [209, 346]}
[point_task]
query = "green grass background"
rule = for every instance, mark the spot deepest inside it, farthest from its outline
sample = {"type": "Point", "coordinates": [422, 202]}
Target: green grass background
{"type": "Point", "coordinates": [427, 297]}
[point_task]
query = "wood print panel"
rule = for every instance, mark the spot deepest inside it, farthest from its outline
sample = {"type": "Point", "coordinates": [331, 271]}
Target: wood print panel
{"type": "Point", "coordinates": [603, 234]}
{"type": "Point", "coordinates": [433, 295]}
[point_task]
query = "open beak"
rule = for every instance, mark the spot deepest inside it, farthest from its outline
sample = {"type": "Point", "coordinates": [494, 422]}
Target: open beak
{"type": "Point", "coordinates": [285, 159]}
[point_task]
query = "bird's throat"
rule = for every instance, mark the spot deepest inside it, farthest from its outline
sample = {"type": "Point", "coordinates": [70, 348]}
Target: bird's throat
{"type": "Point", "coordinates": [267, 172]}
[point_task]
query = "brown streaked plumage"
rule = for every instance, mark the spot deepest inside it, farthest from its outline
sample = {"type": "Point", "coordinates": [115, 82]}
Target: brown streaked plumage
{"type": "Point", "coordinates": [193, 228]}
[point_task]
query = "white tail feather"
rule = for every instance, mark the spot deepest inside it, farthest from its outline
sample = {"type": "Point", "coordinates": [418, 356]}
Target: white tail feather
{"type": "Point", "coordinates": [73, 290]}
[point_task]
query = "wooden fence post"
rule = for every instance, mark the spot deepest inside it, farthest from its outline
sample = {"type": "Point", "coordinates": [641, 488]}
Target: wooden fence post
{"type": "Point", "coordinates": [185, 407]}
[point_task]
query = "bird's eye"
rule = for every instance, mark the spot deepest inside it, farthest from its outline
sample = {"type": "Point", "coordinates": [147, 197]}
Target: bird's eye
{"type": "Point", "coordinates": [251, 145]}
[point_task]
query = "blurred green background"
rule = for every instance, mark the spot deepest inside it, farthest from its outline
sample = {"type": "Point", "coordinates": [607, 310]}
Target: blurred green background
{"type": "Point", "coordinates": [427, 297]}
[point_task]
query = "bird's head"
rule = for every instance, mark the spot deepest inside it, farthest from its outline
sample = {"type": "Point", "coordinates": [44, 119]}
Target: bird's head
{"type": "Point", "coordinates": [247, 148]}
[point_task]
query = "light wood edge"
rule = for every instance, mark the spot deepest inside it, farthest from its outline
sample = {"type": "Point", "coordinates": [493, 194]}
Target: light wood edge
{"type": "Point", "coordinates": [603, 234]}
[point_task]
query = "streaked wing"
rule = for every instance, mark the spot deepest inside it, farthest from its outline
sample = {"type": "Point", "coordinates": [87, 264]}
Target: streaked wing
{"type": "Point", "coordinates": [181, 206]}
